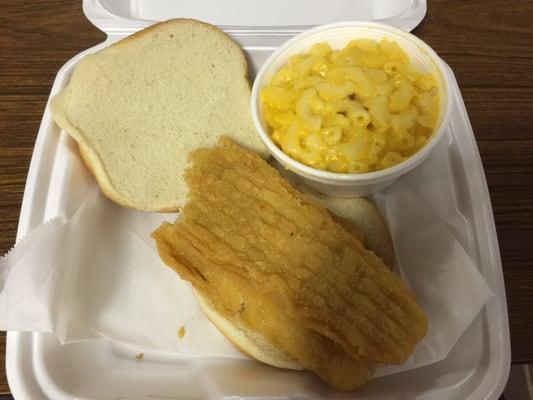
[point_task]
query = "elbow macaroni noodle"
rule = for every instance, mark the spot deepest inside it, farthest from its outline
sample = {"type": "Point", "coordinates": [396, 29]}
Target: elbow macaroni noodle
{"type": "Point", "coordinates": [360, 109]}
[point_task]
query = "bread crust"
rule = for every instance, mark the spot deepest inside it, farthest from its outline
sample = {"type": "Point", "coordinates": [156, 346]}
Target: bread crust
{"type": "Point", "coordinates": [90, 157]}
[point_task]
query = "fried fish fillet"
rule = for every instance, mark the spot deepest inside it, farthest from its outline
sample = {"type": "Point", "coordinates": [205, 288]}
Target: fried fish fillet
{"type": "Point", "coordinates": [262, 252]}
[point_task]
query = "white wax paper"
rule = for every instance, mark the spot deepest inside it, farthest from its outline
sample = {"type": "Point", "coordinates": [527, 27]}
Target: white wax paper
{"type": "Point", "coordinates": [95, 273]}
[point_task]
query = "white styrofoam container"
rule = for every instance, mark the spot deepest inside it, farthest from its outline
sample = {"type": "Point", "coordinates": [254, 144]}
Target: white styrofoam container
{"type": "Point", "coordinates": [477, 368]}
{"type": "Point", "coordinates": [337, 35]}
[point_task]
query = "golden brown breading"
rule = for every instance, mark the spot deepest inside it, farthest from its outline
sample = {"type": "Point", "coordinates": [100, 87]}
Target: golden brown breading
{"type": "Point", "coordinates": [238, 299]}
{"type": "Point", "coordinates": [257, 248]}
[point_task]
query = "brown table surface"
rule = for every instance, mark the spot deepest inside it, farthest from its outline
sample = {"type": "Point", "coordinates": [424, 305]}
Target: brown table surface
{"type": "Point", "coordinates": [487, 43]}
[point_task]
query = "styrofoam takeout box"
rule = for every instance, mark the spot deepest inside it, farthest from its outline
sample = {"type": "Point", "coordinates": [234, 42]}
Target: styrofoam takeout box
{"type": "Point", "coordinates": [477, 368]}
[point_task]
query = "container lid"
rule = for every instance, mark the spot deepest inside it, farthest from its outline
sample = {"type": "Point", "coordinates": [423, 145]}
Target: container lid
{"type": "Point", "coordinates": [126, 16]}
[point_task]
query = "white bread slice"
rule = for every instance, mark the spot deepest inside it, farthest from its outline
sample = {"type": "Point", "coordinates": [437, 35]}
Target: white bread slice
{"type": "Point", "coordinates": [137, 107]}
{"type": "Point", "coordinates": [368, 224]}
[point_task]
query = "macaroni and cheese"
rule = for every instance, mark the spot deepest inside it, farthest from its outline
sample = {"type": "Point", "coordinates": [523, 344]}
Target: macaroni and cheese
{"type": "Point", "coordinates": [360, 109]}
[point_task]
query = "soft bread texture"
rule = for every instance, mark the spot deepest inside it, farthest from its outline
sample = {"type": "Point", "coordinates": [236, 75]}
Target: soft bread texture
{"type": "Point", "coordinates": [138, 107]}
{"type": "Point", "coordinates": [357, 215]}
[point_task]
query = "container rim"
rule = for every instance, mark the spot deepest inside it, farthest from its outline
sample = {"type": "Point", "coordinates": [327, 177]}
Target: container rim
{"type": "Point", "coordinates": [341, 177]}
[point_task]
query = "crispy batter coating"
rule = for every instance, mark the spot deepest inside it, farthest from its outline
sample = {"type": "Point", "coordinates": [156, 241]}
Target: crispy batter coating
{"type": "Point", "coordinates": [262, 252]}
